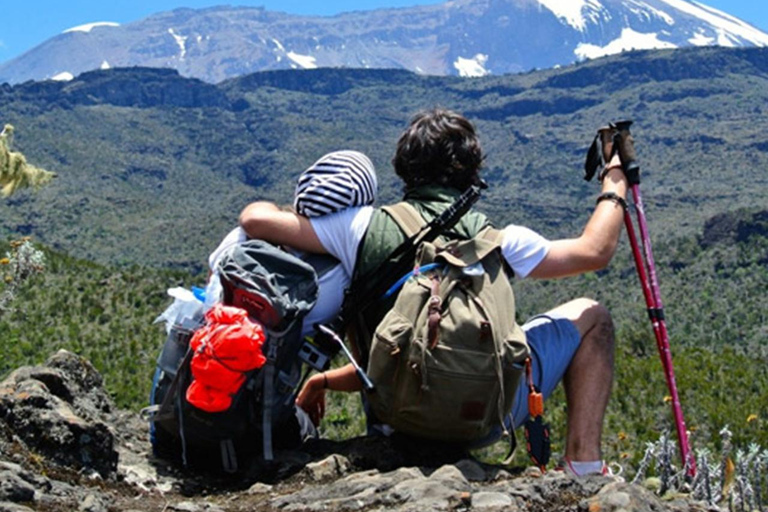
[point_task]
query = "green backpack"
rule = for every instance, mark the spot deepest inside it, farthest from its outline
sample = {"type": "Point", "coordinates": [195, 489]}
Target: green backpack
{"type": "Point", "coordinates": [447, 358]}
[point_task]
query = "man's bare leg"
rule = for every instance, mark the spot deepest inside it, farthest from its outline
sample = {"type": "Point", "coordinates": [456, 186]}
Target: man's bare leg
{"type": "Point", "coordinates": [589, 377]}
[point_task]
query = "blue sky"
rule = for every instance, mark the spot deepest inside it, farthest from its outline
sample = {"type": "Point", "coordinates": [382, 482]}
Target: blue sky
{"type": "Point", "coordinates": [27, 23]}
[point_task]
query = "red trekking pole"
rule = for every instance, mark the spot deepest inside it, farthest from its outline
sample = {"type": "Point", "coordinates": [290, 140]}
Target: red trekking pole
{"type": "Point", "coordinates": [622, 141]}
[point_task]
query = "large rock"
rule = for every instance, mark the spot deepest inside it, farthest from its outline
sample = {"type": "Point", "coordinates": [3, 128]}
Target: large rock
{"type": "Point", "coordinates": [59, 412]}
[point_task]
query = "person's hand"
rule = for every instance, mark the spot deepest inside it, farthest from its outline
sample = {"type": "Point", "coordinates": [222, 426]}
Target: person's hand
{"type": "Point", "coordinates": [311, 398]}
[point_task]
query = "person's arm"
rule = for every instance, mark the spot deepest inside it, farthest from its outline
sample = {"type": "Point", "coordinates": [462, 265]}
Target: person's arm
{"type": "Point", "coordinates": [595, 247]}
{"type": "Point", "coordinates": [311, 398]}
{"type": "Point", "coordinates": [266, 221]}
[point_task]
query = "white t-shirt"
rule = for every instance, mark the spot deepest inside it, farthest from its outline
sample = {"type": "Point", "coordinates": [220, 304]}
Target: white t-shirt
{"type": "Point", "coordinates": [330, 293]}
{"type": "Point", "coordinates": [341, 233]}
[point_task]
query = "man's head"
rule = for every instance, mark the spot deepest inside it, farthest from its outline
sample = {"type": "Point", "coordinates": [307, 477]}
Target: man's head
{"type": "Point", "coordinates": [439, 147]}
{"type": "Point", "coordinates": [336, 181]}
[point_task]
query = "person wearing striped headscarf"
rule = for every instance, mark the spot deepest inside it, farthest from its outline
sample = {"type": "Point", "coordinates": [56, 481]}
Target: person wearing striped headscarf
{"type": "Point", "coordinates": [336, 181]}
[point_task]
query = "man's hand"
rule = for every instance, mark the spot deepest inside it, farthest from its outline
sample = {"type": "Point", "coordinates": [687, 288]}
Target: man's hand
{"type": "Point", "coordinates": [312, 398]}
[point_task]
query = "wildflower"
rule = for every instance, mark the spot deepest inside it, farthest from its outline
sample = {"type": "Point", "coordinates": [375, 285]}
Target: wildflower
{"type": "Point", "coordinates": [667, 399]}
{"type": "Point", "coordinates": [751, 418]}
{"type": "Point", "coordinates": [622, 436]}
{"type": "Point", "coordinates": [624, 455]}
{"type": "Point", "coordinates": [8, 279]}
{"type": "Point", "coordinates": [5, 261]}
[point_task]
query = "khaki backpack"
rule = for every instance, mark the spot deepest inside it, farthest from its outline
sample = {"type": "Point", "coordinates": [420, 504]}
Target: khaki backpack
{"type": "Point", "coordinates": [447, 358]}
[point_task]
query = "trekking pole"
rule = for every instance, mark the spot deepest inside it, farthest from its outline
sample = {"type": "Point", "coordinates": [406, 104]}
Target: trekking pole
{"type": "Point", "coordinates": [650, 285]}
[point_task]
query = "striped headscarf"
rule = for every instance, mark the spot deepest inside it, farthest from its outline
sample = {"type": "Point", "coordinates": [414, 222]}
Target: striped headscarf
{"type": "Point", "coordinates": [338, 180]}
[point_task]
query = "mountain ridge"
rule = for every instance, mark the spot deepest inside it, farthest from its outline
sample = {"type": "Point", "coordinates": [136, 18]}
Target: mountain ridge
{"type": "Point", "coordinates": [153, 167]}
{"type": "Point", "coordinates": [458, 37]}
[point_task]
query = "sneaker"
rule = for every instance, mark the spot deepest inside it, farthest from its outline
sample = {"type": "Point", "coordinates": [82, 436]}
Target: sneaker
{"type": "Point", "coordinates": [601, 468]}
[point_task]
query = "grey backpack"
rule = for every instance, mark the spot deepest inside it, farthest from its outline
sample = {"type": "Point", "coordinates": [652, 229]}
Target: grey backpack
{"type": "Point", "coordinates": [277, 289]}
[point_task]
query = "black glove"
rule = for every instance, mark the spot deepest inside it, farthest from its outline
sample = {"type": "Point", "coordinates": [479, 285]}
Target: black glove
{"type": "Point", "coordinates": [600, 152]}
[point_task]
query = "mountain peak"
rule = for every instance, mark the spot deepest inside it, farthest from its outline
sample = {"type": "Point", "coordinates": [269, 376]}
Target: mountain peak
{"type": "Point", "coordinates": [459, 37]}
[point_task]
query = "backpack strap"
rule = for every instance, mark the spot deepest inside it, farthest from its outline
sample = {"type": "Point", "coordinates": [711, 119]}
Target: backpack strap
{"type": "Point", "coordinates": [406, 216]}
{"type": "Point", "coordinates": [492, 235]}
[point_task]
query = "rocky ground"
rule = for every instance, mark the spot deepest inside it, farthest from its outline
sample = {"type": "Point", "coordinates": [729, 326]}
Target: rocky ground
{"type": "Point", "coordinates": [64, 446]}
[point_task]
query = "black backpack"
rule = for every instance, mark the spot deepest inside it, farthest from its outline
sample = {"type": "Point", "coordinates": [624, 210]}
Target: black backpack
{"type": "Point", "coordinates": [277, 290]}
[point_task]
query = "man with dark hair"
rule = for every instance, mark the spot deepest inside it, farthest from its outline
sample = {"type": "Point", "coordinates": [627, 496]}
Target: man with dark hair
{"type": "Point", "coordinates": [438, 148]}
{"type": "Point", "coordinates": [438, 156]}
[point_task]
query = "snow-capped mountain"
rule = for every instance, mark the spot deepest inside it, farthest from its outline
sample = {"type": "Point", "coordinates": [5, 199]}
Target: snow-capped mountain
{"type": "Point", "coordinates": [458, 37]}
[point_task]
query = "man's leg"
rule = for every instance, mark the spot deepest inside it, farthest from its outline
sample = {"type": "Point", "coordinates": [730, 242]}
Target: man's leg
{"type": "Point", "coordinates": [589, 377]}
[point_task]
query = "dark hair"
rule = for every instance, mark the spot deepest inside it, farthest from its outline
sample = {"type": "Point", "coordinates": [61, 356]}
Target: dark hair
{"type": "Point", "coordinates": [439, 147]}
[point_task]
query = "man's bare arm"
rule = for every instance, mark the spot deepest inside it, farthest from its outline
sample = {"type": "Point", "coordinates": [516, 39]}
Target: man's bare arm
{"type": "Point", "coordinates": [266, 221]}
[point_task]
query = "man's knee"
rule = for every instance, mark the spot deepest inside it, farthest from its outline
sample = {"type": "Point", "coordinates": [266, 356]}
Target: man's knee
{"type": "Point", "coordinates": [590, 318]}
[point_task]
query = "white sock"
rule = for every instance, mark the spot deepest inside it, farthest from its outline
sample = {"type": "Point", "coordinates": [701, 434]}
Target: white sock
{"type": "Point", "coordinates": [581, 468]}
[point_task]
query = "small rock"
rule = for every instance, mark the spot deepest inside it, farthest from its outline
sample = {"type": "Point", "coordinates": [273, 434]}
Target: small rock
{"type": "Point", "coordinates": [331, 467]}
{"type": "Point", "coordinates": [7, 506]}
{"type": "Point", "coordinates": [451, 476]}
{"type": "Point", "coordinates": [491, 500]}
{"type": "Point", "coordinates": [260, 488]}
{"type": "Point", "coordinates": [92, 504]}
{"type": "Point", "coordinates": [185, 506]}
{"type": "Point", "coordinates": [533, 472]}
{"type": "Point", "coordinates": [14, 488]}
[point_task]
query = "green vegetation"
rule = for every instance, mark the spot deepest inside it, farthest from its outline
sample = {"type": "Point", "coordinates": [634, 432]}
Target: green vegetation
{"type": "Point", "coordinates": [104, 314]}
{"type": "Point", "coordinates": [154, 167]}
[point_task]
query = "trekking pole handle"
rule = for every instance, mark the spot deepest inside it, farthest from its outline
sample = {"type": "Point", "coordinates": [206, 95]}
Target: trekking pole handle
{"type": "Point", "coordinates": [626, 147]}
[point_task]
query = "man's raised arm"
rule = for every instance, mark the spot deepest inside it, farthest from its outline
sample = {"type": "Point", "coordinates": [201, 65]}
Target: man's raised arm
{"type": "Point", "coordinates": [266, 221]}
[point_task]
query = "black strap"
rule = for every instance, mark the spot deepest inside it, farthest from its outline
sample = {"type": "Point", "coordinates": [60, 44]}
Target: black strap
{"type": "Point", "coordinates": [366, 289]}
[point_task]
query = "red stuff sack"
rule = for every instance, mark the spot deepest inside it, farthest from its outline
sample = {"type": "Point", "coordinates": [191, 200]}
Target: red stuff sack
{"type": "Point", "coordinates": [227, 347]}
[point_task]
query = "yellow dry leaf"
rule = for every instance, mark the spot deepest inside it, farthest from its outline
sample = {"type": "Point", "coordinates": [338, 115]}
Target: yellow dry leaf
{"type": "Point", "coordinates": [730, 476]}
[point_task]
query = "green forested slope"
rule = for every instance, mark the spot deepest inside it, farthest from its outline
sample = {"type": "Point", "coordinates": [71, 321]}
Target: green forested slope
{"type": "Point", "coordinates": [153, 167]}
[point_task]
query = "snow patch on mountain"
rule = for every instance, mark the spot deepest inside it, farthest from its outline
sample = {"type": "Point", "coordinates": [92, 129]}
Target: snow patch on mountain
{"type": "Point", "coordinates": [64, 76]}
{"type": "Point", "coordinates": [472, 67]}
{"type": "Point", "coordinates": [90, 26]}
{"type": "Point", "coordinates": [644, 10]}
{"type": "Point", "coordinates": [304, 61]}
{"type": "Point", "coordinates": [629, 40]}
{"type": "Point", "coordinates": [572, 11]}
{"type": "Point", "coordinates": [181, 41]}
{"type": "Point", "coordinates": [104, 65]}
{"type": "Point", "coordinates": [701, 39]}
{"type": "Point", "coordinates": [722, 21]}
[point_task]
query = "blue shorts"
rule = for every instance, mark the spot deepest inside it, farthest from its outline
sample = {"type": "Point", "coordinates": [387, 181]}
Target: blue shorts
{"type": "Point", "coordinates": [553, 342]}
